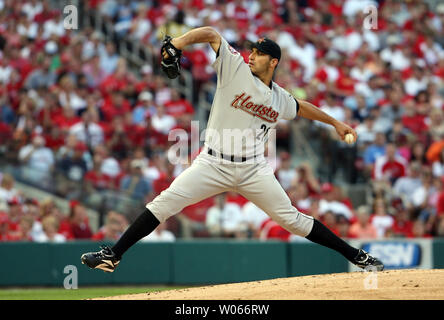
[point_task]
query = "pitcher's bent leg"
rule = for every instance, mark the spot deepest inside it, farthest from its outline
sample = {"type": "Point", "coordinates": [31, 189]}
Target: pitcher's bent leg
{"type": "Point", "coordinates": [267, 193]}
{"type": "Point", "coordinates": [196, 183]}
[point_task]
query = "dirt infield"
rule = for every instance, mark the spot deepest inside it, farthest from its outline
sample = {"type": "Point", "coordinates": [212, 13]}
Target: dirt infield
{"type": "Point", "coordinates": [394, 284]}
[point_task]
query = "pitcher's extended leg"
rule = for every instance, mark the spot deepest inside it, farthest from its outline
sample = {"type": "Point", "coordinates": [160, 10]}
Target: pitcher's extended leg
{"type": "Point", "coordinates": [265, 191]}
{"type": "Point", "coordinates": [196, 183]}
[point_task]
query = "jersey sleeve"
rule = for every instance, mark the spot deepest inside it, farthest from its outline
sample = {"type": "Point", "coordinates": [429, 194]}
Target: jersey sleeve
{"type": "Point", "coordinates": [291, 107]}
{"type": "Point", "coordinates": [227, 63]}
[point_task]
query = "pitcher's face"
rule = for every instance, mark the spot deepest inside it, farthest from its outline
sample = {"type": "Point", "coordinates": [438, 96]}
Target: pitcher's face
{"type": "Point", "coordinates": [260, 62]}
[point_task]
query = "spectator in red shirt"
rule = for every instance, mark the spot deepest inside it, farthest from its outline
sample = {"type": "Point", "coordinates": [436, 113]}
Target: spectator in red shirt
{"type": "Point", "coordinates": [121, 80]}
{"type": "Point", "coordinates": [116, 106]}
{"type": "Point", "coordinates": [77, 223]}
{"type": "Point", "coordinates": [66, 118]}
{"type": "Point", "coordinates": [390, 166]}
{"type": "Point", "coordinates": [46, 13]}
{"type": "Point", "coordinates": [119, 142]}
{"type": "Point", "coordinates": [146, 83]}
{"type": "Point", "coordinates": [177, 106]}
{"type": "Point", "coordinates": [49, 110]}
{"type": "Point", "coordinates": [412, 120]}
{"type": "Point", "coordinates": [95, 180]}
{"type": "Point", "coordinates": [5, 234]}
{"type": "Point", "coordinates": [335, 8]}
{"type": "Point", "coordinates": [402, 226]}
{"type": "Point", "coordinates": [55, 138]}
{"type": "Point", "coordinates": [15, 214]}
{"type": "Point", "coordinates": [345, 84]}
{"type": "Point", "coordinates": [199, 61]}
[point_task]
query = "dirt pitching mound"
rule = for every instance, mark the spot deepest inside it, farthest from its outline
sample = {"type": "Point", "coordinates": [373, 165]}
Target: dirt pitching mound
{"type": "Point", "coordinates": [394, 284]}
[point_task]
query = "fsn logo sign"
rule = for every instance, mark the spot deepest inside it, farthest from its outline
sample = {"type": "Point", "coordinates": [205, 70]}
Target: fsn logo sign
{"type": "Point", "coordinates": [71, 21]}
{"type": "Point", "coordinates": [396, 254]}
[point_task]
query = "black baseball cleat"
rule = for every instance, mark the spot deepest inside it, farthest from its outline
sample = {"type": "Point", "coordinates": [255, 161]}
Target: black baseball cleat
{"type": "Point", "coordinates": [104, 259]}
{"type": "Point", "coordinates": [367, 262]}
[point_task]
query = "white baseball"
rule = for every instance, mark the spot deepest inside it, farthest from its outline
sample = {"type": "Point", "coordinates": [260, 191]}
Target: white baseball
{"type": "Point", "coordinates": [349, 138]}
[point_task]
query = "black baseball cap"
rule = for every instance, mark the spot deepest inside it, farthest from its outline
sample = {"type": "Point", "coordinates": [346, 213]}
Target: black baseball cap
{"type": "Point", "coordinates": [267, 46]}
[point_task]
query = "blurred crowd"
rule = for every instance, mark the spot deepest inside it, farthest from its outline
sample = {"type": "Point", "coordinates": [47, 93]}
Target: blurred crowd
{"type": "Point", "coordinates": [75, 120]}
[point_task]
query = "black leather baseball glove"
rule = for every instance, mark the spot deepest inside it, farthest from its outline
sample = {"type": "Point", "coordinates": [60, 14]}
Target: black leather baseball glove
{"type": "Point", "coordinates": [170, 65]}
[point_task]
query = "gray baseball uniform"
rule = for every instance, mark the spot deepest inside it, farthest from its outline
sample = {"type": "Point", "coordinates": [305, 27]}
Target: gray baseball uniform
{"type": "Point", "coordinates": [243, 111]}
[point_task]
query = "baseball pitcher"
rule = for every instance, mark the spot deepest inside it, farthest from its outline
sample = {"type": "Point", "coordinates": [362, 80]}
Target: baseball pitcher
{"type": "Point", "coordinates": [247, 104]}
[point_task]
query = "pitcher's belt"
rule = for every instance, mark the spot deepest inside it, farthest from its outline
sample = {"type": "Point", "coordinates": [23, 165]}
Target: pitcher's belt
{"type": "Point", "coordinates": [231, 158]}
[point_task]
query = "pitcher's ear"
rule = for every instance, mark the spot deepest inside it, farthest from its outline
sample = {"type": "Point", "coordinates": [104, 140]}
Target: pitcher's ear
{"type": "Point", "coordinates": [274, 62]}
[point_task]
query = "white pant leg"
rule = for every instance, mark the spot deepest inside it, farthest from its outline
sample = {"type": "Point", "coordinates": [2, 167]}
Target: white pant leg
{"type": "Point", "coordinates": [198, 182]}
{"type": "Point", "coordinates": [261, 187]}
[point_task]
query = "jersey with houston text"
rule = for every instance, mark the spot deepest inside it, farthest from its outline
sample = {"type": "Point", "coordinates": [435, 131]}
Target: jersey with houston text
{"type": "Point", "coordinates": [244, 108]}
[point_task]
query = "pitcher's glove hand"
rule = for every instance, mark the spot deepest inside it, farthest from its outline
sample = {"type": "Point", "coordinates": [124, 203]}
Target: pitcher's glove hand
{"type": "Point", "coordinates": [170, 58]}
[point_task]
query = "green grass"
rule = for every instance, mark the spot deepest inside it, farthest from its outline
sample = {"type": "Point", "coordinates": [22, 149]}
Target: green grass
{"type": "Point", "coordinates": [73, 294]}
